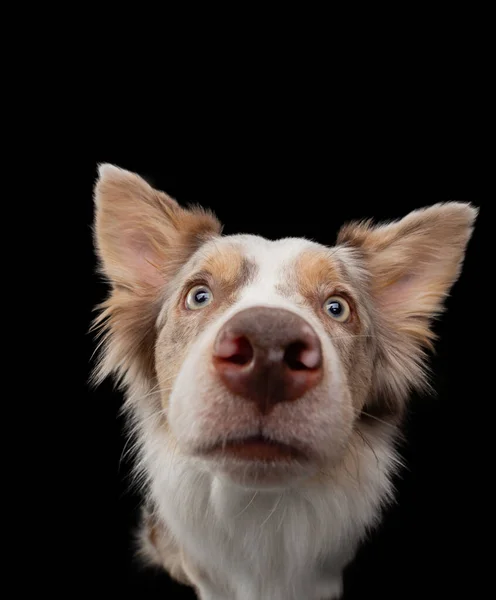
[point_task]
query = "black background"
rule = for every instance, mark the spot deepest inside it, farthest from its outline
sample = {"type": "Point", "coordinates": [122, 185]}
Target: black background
{"type": "Point", "coordinates": [287, 181]}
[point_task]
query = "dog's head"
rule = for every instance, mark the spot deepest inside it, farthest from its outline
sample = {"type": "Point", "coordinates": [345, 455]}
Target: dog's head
{"type": "Point", "coordinates": [267, 356]}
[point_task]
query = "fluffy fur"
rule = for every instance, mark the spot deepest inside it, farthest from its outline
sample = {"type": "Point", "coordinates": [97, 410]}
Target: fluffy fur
{"type": "Point", "coordinates": [244, 530]}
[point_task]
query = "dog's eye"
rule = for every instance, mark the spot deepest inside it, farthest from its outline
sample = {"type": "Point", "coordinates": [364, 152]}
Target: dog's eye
{"type": "Point", "coordinates": [199, 297]}
{"type": "Point", "coordinates": [337, 308]}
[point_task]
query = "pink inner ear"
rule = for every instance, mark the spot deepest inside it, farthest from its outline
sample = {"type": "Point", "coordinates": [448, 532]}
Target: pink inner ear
{"type": "Point", "coordinates": [142, 258]}
{"type": "Point", "coordinates": [400, 291]}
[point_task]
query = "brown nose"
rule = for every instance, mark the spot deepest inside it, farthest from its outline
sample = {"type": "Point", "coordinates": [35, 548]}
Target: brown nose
{"type": "Point", "coordinates": [268, 355]}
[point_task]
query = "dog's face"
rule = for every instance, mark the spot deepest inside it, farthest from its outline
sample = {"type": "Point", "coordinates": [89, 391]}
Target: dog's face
{"type": "Point", "coordinates": [268, 358]}
{"type": "Point", "coordinates": [264, 354]}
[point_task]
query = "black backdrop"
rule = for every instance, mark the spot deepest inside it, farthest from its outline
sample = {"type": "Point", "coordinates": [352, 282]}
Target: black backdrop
{"type": "Point", "coordinates": [429, 543]}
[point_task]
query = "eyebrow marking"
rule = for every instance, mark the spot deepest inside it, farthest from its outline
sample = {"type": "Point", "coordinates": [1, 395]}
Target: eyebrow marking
{"type": "Point", "coordinates": [229, 267]}
{"type": "Point", "coordinates": [314, 272]}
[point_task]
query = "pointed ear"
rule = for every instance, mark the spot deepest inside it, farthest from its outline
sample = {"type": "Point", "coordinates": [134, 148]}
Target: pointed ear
{"type": "Point", "coordinates": [414, 262]}
{"type": "Point", "coordinates": [142, 238]}
{"type": "Point", "coordinates": [141, 234]}
{"type": "Point", "coordinates": [412, 265]}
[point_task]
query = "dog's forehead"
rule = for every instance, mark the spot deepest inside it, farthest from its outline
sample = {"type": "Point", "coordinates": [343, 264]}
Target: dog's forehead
{"type": "Point", "coordinates": [272, 254]}
{"type": "Point", "coordinates": [266, 271]}
{"type": "Point", "coordinates": [269, 261]}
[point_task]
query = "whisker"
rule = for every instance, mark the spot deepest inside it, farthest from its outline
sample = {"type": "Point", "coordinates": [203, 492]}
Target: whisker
{"type": "Point", "coordinates": [284, 511]}
{"type": "Point", "coordinates": [155, 415]}
{"type": "Point", "coordinates": [123, 453]}
{"type": "Point", "coordinates": [158, 388]}
{"type": "Point", "coordinates": [157, 391]}
{"type": "Point", "coordinates": [366, 441]}
{"type": "Point", "coordinates": [351, 335]}
{"type": "Point", "coordinates": [363, 412]}
{"type": "Point", "coordinates": [356, 459]}
{"type": "Point", "coordinates": [249, 503]}
{"type": "Point", "coordinates": [273, 510]}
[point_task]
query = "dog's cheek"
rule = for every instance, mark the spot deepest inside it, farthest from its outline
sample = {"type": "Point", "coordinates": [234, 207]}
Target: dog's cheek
{"type": "Point", "coordinates": [356, 357]}
{"type": "Point", "coordinates": [173, 344]}
{"type": "Point", "coordinates": [359, 371]}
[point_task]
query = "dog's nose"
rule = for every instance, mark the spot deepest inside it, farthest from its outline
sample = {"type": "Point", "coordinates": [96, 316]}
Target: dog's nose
{"type": "Point", "coordinates": [268, 355]}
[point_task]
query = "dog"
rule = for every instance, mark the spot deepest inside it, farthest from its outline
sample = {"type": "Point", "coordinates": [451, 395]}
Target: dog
{"type": "Point", "coordinates": [265, 381]}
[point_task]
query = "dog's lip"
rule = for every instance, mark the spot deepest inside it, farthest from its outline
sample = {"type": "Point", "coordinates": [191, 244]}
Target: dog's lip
{"type": "Point", "coordinates": [256, 448]}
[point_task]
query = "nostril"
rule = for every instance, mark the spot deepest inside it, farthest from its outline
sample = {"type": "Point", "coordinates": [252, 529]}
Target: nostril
{"type": "Point", "coordinates": [243, 354]}
{"type": "Point", "coordinates": [292, 356]}
{"type": "Point", "coordinates": [235, 350]}
{"type": "Point", "coordinates": [300, 356]}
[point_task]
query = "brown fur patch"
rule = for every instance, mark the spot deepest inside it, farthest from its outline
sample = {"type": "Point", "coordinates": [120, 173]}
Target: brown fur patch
{"type": "Point", "coordinates": [228, 265]}
{"type": "Point", "coordinates": [158, 548]}
{"type": "Point", "coordinates": [316, 274]}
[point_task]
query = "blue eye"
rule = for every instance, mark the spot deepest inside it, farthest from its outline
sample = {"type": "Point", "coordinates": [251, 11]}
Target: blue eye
{"type": "Point", "coordinates": [199, 297]}
{"type": "Point", "coordinates": [337, 308]}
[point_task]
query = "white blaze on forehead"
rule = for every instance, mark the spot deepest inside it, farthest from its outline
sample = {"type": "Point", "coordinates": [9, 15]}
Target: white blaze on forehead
{"type": "Point", "coordinates": [272, 259]}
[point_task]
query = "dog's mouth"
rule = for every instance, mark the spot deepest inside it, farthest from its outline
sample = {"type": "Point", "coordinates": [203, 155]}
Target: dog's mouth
{"type": "Point", "coordinates": [256, 448]}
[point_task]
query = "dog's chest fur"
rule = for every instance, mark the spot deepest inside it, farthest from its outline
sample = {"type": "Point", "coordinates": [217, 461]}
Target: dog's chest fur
{"type": "Point", "coordinates": [254, 545]}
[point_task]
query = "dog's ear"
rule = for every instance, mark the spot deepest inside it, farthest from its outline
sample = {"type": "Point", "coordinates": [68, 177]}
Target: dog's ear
{"type": "Point", "coordinates": [142, 238]}
{"type": "Point", "coordinates": [412, 265]}
{"type": "Point", "coordinates": [141, 234]}
{"type": "Point", "coordinates": [414, 262]}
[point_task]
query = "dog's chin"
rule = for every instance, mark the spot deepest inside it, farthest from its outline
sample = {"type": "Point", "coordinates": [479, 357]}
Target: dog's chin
{"type": "Point", "coordinates": [259, 463]}
{"type": "Point", "coordinates": [264, 475]}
